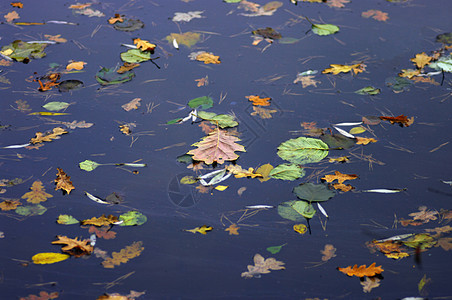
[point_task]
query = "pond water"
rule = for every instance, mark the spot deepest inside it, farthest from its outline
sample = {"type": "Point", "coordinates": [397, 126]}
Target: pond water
{"type": "Point", "coordinates": [176, 264]}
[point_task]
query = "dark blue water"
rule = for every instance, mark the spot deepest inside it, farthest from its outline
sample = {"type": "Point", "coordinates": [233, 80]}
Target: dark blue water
{"type": "Point", "coordinates": [177, 264]}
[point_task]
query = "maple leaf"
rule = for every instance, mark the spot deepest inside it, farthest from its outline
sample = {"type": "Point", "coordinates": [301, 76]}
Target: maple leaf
{"type": "Point", "coordinates": [41, 137]}
{"type": "Point", "coordinates": [202, 229]}
{"type": "Point", "coordinates": [63, 182]}
{"type": "Point", "coordinates": [337, 3]}
{"type": "Point", "coordinates": [262, 112]}
{"type": "Point", "coordinates": [424, 215]}
{"type": "Point", "coordinates": [336, 69]}
{"type": "Point", "coordinates": [306, 80]}
{"type": "Point", "coordinates": [43, 295]}
{"type": "Point", "coordinates": [343, 187]}
{"type": "Point", "coordinates": [233, 229]}
{"type": "Point", "coordinates": [339, 176]}
{"type": "Point", "coordinates": [104, 232]}
{"type": "Point", "coordinates": [75, 65]}
{"type": "Point", "coordinates": [101, 221]}
{"type": "Point", "coordinates": [364, 141]}
{"type": "Point", "coordinates": [115, 19]}
{"type": "Point", "coordinates": [370, 283]}
{"type": "Point", "coordinates": [144, 45]}
{"type": "Point", "coordinates": [202, 81]}
{"type": "Point", "coordinates": [409, 73]}
{"type": "Point", "coordinates": [362, 270]}
{"type": "Point", "coordinates": [257, 100]}
{"type": "Point", "coordinates": [208, 58]}
{"type": "Point", "coordinates": [375, 14]}
{"type": "Point", "coordinates": [262, 266]}
{"type": "Point", "coordinates": [421, 60]}
{"type": "Point", "coordinates": [17, 4]}
{"type": "Point", "coordinates": [127, 67]}
{"type": "Point", "coordinates": [37, 193]}
{"type": "Point", "coordinates": [56, 38]}
{"type": "Point", "coordinates": [402, 120]}
{"type": "Point", "coordinates": [10, 204]}
{"type": "Point", "coordinates": [11, 16]}
{"type": "Point", "coordinates": [240, 173]}
{"type": "Point", "coordinates": [218, 146]}
{"type": "Point", "coordinates": [74, 247]}
{"type": "Point", "coordinates": [124, 255]}
{"type": "Point", "coordinates": [328, 252]}
{"type": "Point", "coordinates": [133, 104]}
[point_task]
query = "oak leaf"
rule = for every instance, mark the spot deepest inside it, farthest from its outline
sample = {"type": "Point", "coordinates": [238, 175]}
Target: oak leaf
{"type": "Point", "coordinates": [11, 16]}
{"type": "Point", "coordinates": [233, 229]}
{"type": "Point", "coordinates": [208, 58]}
{"type": "Point", "coordinates": [74, 124]}
{"type": "Point", "coordinates": [262, 112]}
{"type": "Point", "coordinates": [74, 247]}
{"type": "Point", "coordinates": [75, 65]}
{"type": "Point", "coordinates": [124, 255]}
{"type": "Point", "coordinates": [328, 252]}
{"type": "Point", "coordinates": [375, 14]}
{"type": "Point", "coordinates": [370, 283]}
{"type": "Point", "coordinates": [37, 193]}
{"type": "Point", "coordinates": [421, 60]}
{"type": "Point", "coordinates": [364, 141]}
{"type": "Point", "coordinates": [402, 120]}
{"type": "Point", "coordinates": [41, 137]}
{"type": "Point", "coordinates": [337, 3]}
{"type": "Point", "coordinates": [63, 182]}
{"type": "Point", "coordinates": [362, 270]}
{"type": "Point", "coordinates": [336, 69]}
{"type": "Point", "coordinates": [17, 4]}
{"type": "Point", "coordinates": [101, 221]}
{"type": "Point", "coordinates": [262, 266]}
{"type": "Point", "coordinates": [257, 100]}
{"type": "Point", "coordinates": [133, 104]}
{"type": "Point", "coordinates": [202, 229]}
{"type": "Point", "coordinates": [127, 67]}
{"type": "Point", "coordinates": [340, 177]}
{"type": "Point", "coordinates": [10, 204]}
{"type": "Point", "coordinates": [144, 45]}
{"type": "Point", "coordinates": [218, 146]}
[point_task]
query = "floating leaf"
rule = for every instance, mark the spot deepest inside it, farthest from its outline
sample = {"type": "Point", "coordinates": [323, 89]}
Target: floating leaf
{"type": "Point", "coordinates": [108, 76]}
{"type": "Point", "coordinates": [70, 85]}
{"type": "Point", "coordinates": [262, 266]}
{"type": "Point", "coordinates": [76, 65]}
{"type": "Point", "coordinates": [445, 38]}
{"type": "Point", "coordinates": [101, 221]}
{"type": "Point", "coordinates": [132, 218]}
{"type": "Point", "coordinates": [31, 210]}
{"type": "Point", "coordinates": [88, 165]}
{"type": "Point", "coordinates": [203, 229]}
{"type": "Point", "coordinates": [74, 247]}
{"type": "Point", "coordinates": [296, 210]}
{"type": "Point", "coordinates": [187, 17]}
{"type": "Point", "coordinates": [233, 229]}
{"type": "Point", "coordinates": [300, 228]}
{"type": "Point", "coordinates": [303, 150]}
{"type": "Point", "coordinates": [128, 25]}
{"type": "Point", "coordinates": [324, 29]}
{"type": "Point", "coordinates": [336, 69]}
{"type": "Point", "coordinates": [402, 120]}
{"type": "Point", "coordinates": [124, 255]}
{"type": "Point", "coordinates": [63, 182]}
{"type": "Point", "coordinates": [357, 130]}
{"type": "Point", "coordinates": [339, 177]}
{"type": "Point", "coordinates": [204, 102]}
{"type": "Point", "coordinates": [444, 63]}
{"type": "Point", "coordinates": [67, 220]}
{"type": "Point", "coordinates": [55, 134]}
{"type": "Point", "coordinates": [37, 193]}
{"type": "Point", "coordinates": [48, 258]}
{"type": "Point", "coordinates": [56, 106]}
{"type": "Point", "coordinates": [313, 192]}
{"type": "Point", "coordinates": [287, 172]}
{"type": "Point", "coordinates": [188, 38]}
{"type": "Point", "coordinates": [9, 204]}
{"type": "Point", "coordinates": [23, 51]}
{"type": "Point", "coordinates": [362, 270]}
{"type": "Point", "coordinates": [208, 58]}
{"type": "Point", "coordinates": [370, 283]}
{"type": "Point", "coordinates": [368, 90]}
{"type": "Point", "coordinates": [257, 100]}
{"type": "Point", "coordinates": [221, 120]}
{"type": "Point", "coordinates": [267, 33]}
{"type": "Point", "coordinates": [275, 249]}
{"type": "Point", "coordinates": [221, 188]}
{"type": "Point", "coordinates": [135, 56]}
{"type": "Point", "coordinates": [264, 170]}
{"type": "Point", "coordinates": [133, 104]}
{"type": "Point", "coordinates": [144, 45]}
{"type": "Point", "coordinates": [375, 14]}
{"type": "Point", "coordinates": [338, 141]}
{"type": "Point", "coordinates": [398, 84]}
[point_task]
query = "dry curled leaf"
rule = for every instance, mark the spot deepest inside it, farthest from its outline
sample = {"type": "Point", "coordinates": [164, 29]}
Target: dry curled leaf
{"type": "Point", "coordinates": [402, 120]}
{"type": "Point", "coordinates": [340, 177]}
{"type": "Point", "coordinates": [63, 182]}
{"type": "Point", "coordinates": [202, 81]}
{"type": "Point", "coordinates": [10, 204]}
{"type": "Point", "coordinates": [239, 172]}
{"type": "Point", "coordinates": [306, 80]}
{"type": "Point", "coordinates": [101, 221]}
{"type": "Point", "coordinates": [233, 229]}
{"type": "Point", "coordinates": [37, 193]}
{"type": "Point", "coordinates": [48, 137]}
{"type": "Point", "coordinates": [133, 104]}
{"type": "Point", "coordinates": [74, 247]}
{"type": "Point", "coordinates": [124, 255]}
{"type": "Point", "coordinates": [257, 100]}
{"type": "Point", "coordinates": [336, 69]}
{"type": "Point", "coordinates": [125, 129]}
{"type": "Point", "coordinates": [208, 58]}
{"type": "Point", "coordinates": [362, 270]}
{"type": "Point", "coordinates": [17, 4]}
{"type": "Point", "coordinates": [262, 266]}
{"type": "Point", "coordinates": [202, 229]}
{"type": "Point", "coordinates": [343, 187]}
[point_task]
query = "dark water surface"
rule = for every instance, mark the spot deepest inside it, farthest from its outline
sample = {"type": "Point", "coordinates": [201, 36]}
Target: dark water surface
{"type": "Point", "coordinates": [180, 265]}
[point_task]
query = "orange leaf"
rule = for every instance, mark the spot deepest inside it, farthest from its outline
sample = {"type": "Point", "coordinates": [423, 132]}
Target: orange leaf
{"type": "Point", "coordinates": [202, 81]}
{"type": "Point", "coordinates": [144, 45]}
{"type": "Point", "coordinates": [375, 14]}
{"type": "Point", "coordinates": [9, 204]}
{"type": "Point", "coordinates": [17, 4]}
{"type": "Point", "coordinates": [233, 229]}
{"type": "Point", "coordinates": [343, 187]}
{"type": "Point", "coordinates": [63, 182]}
{"type": "Point", "coordinates": [11, 16]}
{"type": "Point", "coordinates": [421, 60]}
{"type": "Point", "coordinates": [43, 295]}
{"type": "Point", "coordinates": [364, 141]}
{"type": "Point", "coordinates": [402, 120]}
{"type": "Point", "coordinates": [80, 6]}
{"type": "Point", "coordinates": [74, 247]}
{"type": "Point", "coordinates": [37, 193]}
{"type": "Point", "coordinates": [56, 38]}
{"type": "Point", "coordinates": [116, 18]}
{"type": "Point", "coordinates": [258, 100]}
{"type": "Point", "coordinates": [362, 270]}
{"type": "Point", "coordinates": [127, 67]}
{"type": "Point", "coordinates": [76, 65]}
{"type": "Point", "coordinates": [340, 177]}
{"type": "Point", "coordinates": [208, 58]}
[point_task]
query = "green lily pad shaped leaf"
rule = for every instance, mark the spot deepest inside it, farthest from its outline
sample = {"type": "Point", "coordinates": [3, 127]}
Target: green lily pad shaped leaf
{"type": "Point", "coordinates": [287, 172]}
{"type": "Point", "coordinates": [132, 218]}
{"type": "Point", "coordinates": [338, 141]}
{"type": "Point", "coordinates": [56, 106]}
{"type": "Point", "coordinates": [88, 165]}
{"type": "Point", "coordinates": [204, 102]}
{"type": "Point", "coordinates": [222, 120]}
{"type": "Point", "coordinates": [443, 63]}
{"type": "Point", "coordinates": [135, 56]}
{"type": "Point", "coordinates": [303, 150]}
{"type": "Point", "coordinates": [70, 85]}
{"type": "Point", "coordinates": [324, 29]}
{"type": "Point", "coordinates": [31, 210]}
{"type": "Point", "coordinates": [128, 25]}
{"type": "Point", "coordinates": [398, 84]}
{"type": "Point", "coordinates": [445, 38]}
{"type": "Point", "coordinates": [22, 51]}
{"type": "Point", "coordinates": [67, 220]}
{"type": "Point", "coordinates": [368, 90]}
{"type": "Point", "coordinates": [110, 76]}
{"type": "Point", "coordinates": [313, 192]}
{"type": "Point", "coordinates": [296, 210]}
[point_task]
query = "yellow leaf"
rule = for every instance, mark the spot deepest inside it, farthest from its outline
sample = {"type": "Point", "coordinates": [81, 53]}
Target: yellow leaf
{"type": "Point", "coordinates": [365, 141]}
{"type": "Point", "coordinates": [233, 229]}
{"type": "Point", "coordinates": [336, 69]}
{"type": "Point", "coordinates": [221, 187]}
{"type": "Point", "coordinates": [339, 159]}
{"type": "Point", "coordinates": [339, 176]}
{"type": "Point", "coordinates": [300, 228]}
{"type": "Point", "coordinates": [264, 170]}
{"type": "Point", "coordinates": [240, 173]}
{"type": "Point", "coordinates": [48, 258]}
{"type": "Point", "coordinates": [7, 51]}
{"type": "Point", "coordinates": [409, 73]}
{"type": "Point", "coordinates": [37, 193]}
{"type": "Point", "coordinates": [343, 187]}
{"type": "Point", "coordinates": [76, 65]}
{"type": "Point", "coordinates": [357, 130]}
{"type": "Point", "coordinates": [100, 221]}
{"type": "Point", "coordinates": [421, 60]}
{"type": "Point", "coordinates": [397, 255]}
{"type": "Point", "coordinates": [188, 180]}
{"type": "Point", "coordinates": [203, 229]}
{"type": "Point", "coordinates": [208, 58]}
{"type": "Point", "coordinates": [144, 45]}
{"type": "Point", "coordinates": [11, 16]}
{"type": "Point", "coordinates": [116, 18]}
{"type": "Point", "coordinates": [10, 204]}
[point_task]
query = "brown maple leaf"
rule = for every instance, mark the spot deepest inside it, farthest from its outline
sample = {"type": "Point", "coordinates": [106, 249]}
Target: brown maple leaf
{"type": "Point", "coordinates": [370, 283]}
{"type": "Point", "coordinates": [55, 134]}
{"type": "Point", "coordinates": [328, 252]}
{"type": "Point", "coordinates": [309, 125]}
{"type": "Point", "coordinates": [340, 177]}
{"type": "Point", "coordinates": [10, 204]}
{"type": "Point", "coordinates": [37, 193]}
{"type": "Point", "coordinates": [402, 120]}
{"type": "Point", "coordinates": [104, 232]}
{"type": "Point", "coordinates": [63, 182]}
{"type": "Point", "coordinates": [233, 229]}
{"type": "Point", "coordinates": [74, 247]}
{"type": "Point", "coordinates": [101, 221]}
{"type": "Point", "coordinates": [258, 100]}
{"type": "Point", "coordinates": [262, 266]}
{"type": "Point", "coordinates": [375, 14]}
{"type": "Point", "coordinates": [362, 270]}
{"type": "Point", "coordinates": [218, 146]}
{"type": "Point", "coordinates": [124, 255]}
{"type": "Point", "coordinates": [424, 215]}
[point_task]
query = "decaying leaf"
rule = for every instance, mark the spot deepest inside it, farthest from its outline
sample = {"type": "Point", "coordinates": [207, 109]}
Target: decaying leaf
{"type": "Point", "coordinates": [364, 141]}
{"type": "Point", "coordinates": [262, 266]}
{"type": "Point", "coordinates": [370, 283]}
{"type": "Point", "coordinates": [202, 229]}
{"type": "Point", "coordinates": [328, 252]}
{"type": "Point", "coordinates": [336, 69]}
{"type": "Point", "coordinates": [362, 270]}
{"type": "Point", "coordinates": [125, 128]}
{"type": "Point", "coordinates": [76, 65]}
{"type": "Point", "coordinates": [239, 172]}
{"type": "Point", "coordinates": [218, 146]}
{"type": "Point", "coordinates": [300, 228]}
{"type": "Point", "coordinates": [104, 232]}
{"type": "Point", "coordinates": [445, 243]}
{"type": "Point", "coordinates": [63, 182]}
{"type": "Point", "coordinates": [257, 100]}
{"type": "Point", "coordinates": [48, 137]}
{"type": "Point", "coordinates": [133, 104]}
{"type": "Point", "coordinates": [11, 16]}
{"type": "Point", "coordinates": [263, 113]}
{"type": "Point", "coordinates": [343, 187]}
{"type": "Point", "coordinates": [124, 255]}
{"type": "Point", "coordinates": [202, 81]}
{"type": "Point", "coordinates": [9, 204]}
{"type": "Point", "coordinates": [375, 14]}
{"type": "Point", "coordinates": [127, 67]}
{"type": "Point", "coordinates": [306, 80]}
{"type": "Point", "coordinates": [49, 258]}
{"type": "Point", "coordinates": [74, 247]}
{"type": "Point", "coordinates": [424, 215]}
{"type": "Point", "coordinates": [43, 295]}
{"type": "Point", "coordinates": [340, 159]}
{"type": "Point", "coordinates": [208, 58]}
{"type": "Point", "coordinates": [256, 10]}
{"type": "Point", "coordinates": [188, 39]}
{"type": "Point", "coordinates": [187, 17]}
{"type": "Point", "coordinates": [402, 120]}
{"type": "Point", "coordinates": [409, 73]}
{"type": "Point", "coordinates": [56, 38]}
{"type": "Point", "coordinates": [337, 3]}
{"type": "Point", "coordinates": [233, 229]}
{"type": "Point", "coordinates": [339, 176]}
{"type": "Point", "coordinates": [101, 221]}
{"type": "Point", "coordinates": [390, 248]}
{"type": "Point", "coordinates": [37, 193]}
{"type": "Point", "coordinates": [264, 170]}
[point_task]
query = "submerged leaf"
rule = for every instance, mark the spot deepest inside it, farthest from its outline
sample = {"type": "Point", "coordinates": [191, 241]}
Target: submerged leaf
{"type": "Point", "coordinates": [188, 39]}
{"type": "Point", "coordinates": [124, 255]}
{"type": "Point", "coordinates": [313, 192]}
{"type": "Point", "coordinates": [109, 76]}
{"type": "Point", "coordinates": [37, 193]}
{"type": "Point", "coordinates": [204, 102]}
{"type": "Point", "coordinates": [262, 266]}
{"type": "Point", "coordinates": [296, 210]}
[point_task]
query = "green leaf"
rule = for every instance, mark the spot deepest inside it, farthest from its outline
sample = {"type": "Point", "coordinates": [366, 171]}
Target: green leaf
{"type": "Point", "coordinates": [287, 172]}
{"type": "Point", "coordinates": [67, 220]}
{"type": "Point", "coordinates": [174, 121]}
{"type": "Point", "coordinates": [296, 210]}
{"type": "Point", "coordinates": [128, 25]}
{"type": "Point", "coordinates": [357, 130]}
{"type": "Point", "coordinates": [88, 165]}
{"type": "Point", "coordinates": [185, 158]}
{"type": "Point", "coordinates": [338, 141]}
{"type": "Point", "coordinates": [420, 240]}
{"type": "Point", "coordinates": [109, 76]}
{"type": "Point", "coordinates": [56, 106]}
{"type": "Point", "coordinates": [368, 90]}
{"type": "Point", "coordinates": [288, 40]}
{"type": "Point", "coordinates": [443, 63]}
{"type": "Point", "coordinates": [324, 29]}
{"type": "Point", "coordinates": [135, 56]}
{"type": "Point", "coordinates": [132, 218]}
{"type": "Point", "coordinates": [445, 38]}
{"type": "Point", "coordinates": [303, 150]}
{"type": "Point", "coordinates": [31, 210]}
{"type": "Point", "coordinates": [23, 51]}
{"type": "Point", "coordinates": [275, 249]}
{"type": "Point", "coordinates": [313, 192]}
{"type": "Point", "coordinates": [205, 102]}
{"type": "Point", "coordinates": [188, 38]}
{"type": "Point", "coordinates": [70, 85]}
{"type": "Point", "coordinates": [222, 120]}
{"type": "Point", "coordinates": [188, 180]}
{"type": "Point", "coordinates": [398, 84]}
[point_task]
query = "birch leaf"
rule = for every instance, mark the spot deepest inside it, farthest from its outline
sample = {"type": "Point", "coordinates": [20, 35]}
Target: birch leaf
{"type": "Point", "coordinates": [324, 29]}
{"type": "Point", "coordinates": [287, 172]}
{"type": "Point", "coordinates": [303, 150]}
